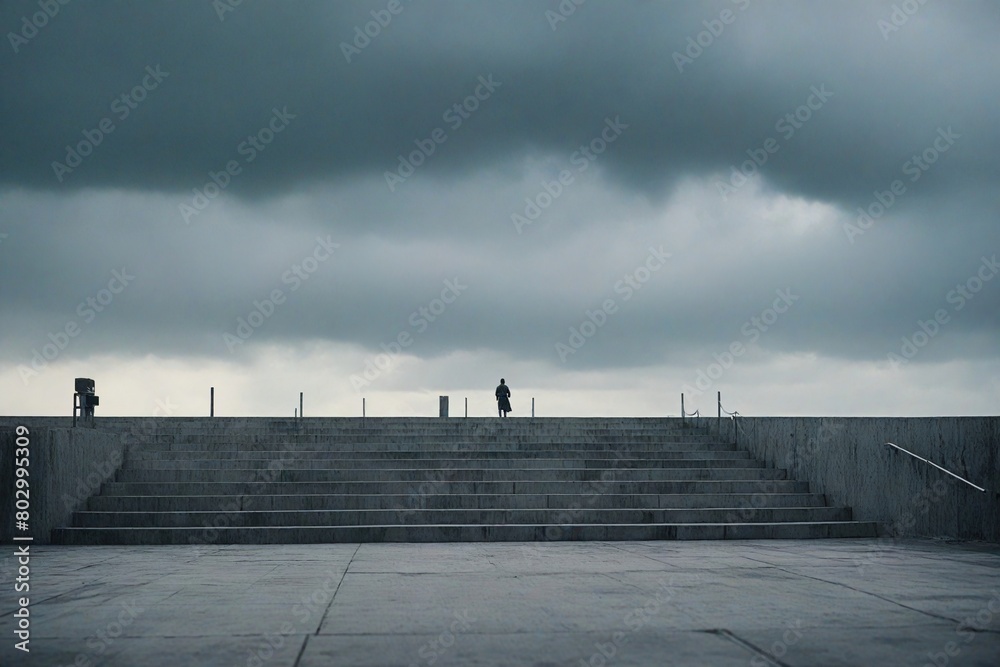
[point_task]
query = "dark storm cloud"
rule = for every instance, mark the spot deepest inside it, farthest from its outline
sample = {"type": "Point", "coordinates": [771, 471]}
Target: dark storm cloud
{"type": "Point", "coordinates": [889, 96]}
{"type": "Point", "coordinates": [867, 104]}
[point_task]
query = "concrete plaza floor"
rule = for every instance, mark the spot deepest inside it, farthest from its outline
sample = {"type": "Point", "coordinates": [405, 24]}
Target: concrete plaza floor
{"type": "Point", "coordinates": [822, 602]}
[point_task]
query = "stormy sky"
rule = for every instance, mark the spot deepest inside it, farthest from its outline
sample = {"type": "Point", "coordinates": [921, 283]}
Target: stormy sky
{"type": "Point", "coordinates": [607, 203]}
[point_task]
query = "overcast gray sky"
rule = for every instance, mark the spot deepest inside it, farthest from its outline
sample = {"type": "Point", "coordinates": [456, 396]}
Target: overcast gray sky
{"type": "Point", "coordinates": [398, 200]}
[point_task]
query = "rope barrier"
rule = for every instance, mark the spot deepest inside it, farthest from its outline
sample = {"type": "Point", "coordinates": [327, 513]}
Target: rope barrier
{"type": "Point", "coordinates": [734, 414]}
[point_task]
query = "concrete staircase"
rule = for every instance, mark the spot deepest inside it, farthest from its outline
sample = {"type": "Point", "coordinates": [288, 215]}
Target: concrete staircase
{"type": "Point", "coordinates": [259, 481]}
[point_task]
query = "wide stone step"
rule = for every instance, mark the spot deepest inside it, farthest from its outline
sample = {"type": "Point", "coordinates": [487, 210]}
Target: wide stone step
{"type": "Point", "coordinates": [466, 533]}
{"type": "Point", "coordinates": [215, 465]}
{"type": "Point", "coordinates": [601, 475]}
{"type": "Point", "coordinates": [452, 516]}
{"type": "Point", "coordinates": [527, 435]}
{"type": "Point", "coordinates": [226, 457]}
{"type": "Point", "coordinates": [447, 486]}
{"type": "Point", "coordinates": [180, 426]}
{"type": "Point", "coordinates": [745, 502]}
{"type": "Point", "coordinates": [526, 441]}
{"type": "Point", "coordinates": [440, 429]}
{"type": "Point", "coordinates": [321, 480]}
{"type": "Point", "coordinates": [447, 426]}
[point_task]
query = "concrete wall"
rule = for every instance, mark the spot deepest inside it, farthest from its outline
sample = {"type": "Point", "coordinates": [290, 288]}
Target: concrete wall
{"type": "Point", "coordinates": [847, 459]}
{"type": "Point", "coordinates": [66, 466]}
{"type": "Point", "coordinates": [844, 458]}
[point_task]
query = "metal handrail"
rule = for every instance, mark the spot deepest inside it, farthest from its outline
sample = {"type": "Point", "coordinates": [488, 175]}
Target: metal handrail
{"type": "Point", "coordinates": [979, 488]}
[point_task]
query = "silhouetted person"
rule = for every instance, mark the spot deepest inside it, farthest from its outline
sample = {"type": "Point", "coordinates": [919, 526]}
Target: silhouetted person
{"type": "Point", "coordinates": [503, 396]}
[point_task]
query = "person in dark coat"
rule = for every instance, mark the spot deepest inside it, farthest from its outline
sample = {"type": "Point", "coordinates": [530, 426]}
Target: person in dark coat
{"type": "Point", "coordinates": [503, 396]}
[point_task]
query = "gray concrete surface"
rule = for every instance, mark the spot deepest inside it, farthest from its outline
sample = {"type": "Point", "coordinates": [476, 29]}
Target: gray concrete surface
{"type": "Point", "coordinates": [830, 602]}
{"type": "Point", "coordinates": [65, 467]}
{"type": "Point", "coordinates": [847, 459]}
{"type": "Point", "coordinates": [562, 466]}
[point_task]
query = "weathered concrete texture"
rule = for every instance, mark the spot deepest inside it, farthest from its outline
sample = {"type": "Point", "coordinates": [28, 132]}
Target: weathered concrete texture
{"type": "Point", "coordinates": [791, 603]}
{"type": "Point", "coordinates": [847, 459]}
{"type": "Point", "coordinates": [586, 479]}
{"type": "Point", "coordinates": [65, 467]}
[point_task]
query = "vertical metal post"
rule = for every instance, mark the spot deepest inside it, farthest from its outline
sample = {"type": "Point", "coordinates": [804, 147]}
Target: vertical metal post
{"type": "Point", "coordinates": [467, 406]}
{"type": "Point", "coordinates": [211, 402]}
{"type": "Point", "coordinates": [718, 416]}
{"type": "Point", "coordinates": [362, 407]}
{"type": "Point", "coordinates": [296, 413]}
{"type": "Point", "coordinates": [301, 414]}
{"type": "Point", "coordinates": [682, 410]}
{"type": "Point", "coordinates": [532, 406]}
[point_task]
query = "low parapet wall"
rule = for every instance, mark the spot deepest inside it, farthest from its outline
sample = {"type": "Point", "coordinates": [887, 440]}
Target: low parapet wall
{"type": "Point", "coordinates": [65, 466]}
{"type": "Point", "coordinates": [847, 459]}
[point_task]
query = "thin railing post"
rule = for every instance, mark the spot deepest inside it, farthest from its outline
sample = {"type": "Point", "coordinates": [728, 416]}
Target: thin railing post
{"type": "Point", "coordinates": [532, 406]}
{"type": "Point", "coordinates": [466, 407]}
{"type": "Point", "coordinates": [683, 416]}
{"type": "Point", "coordinates": [211, 402]}
{"type": "Point", "coordinates": [362, 406]}
{"type": "Point", "coordinates": [300, 405]}
{"type": "Point", "coordinates": [718, 416]}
